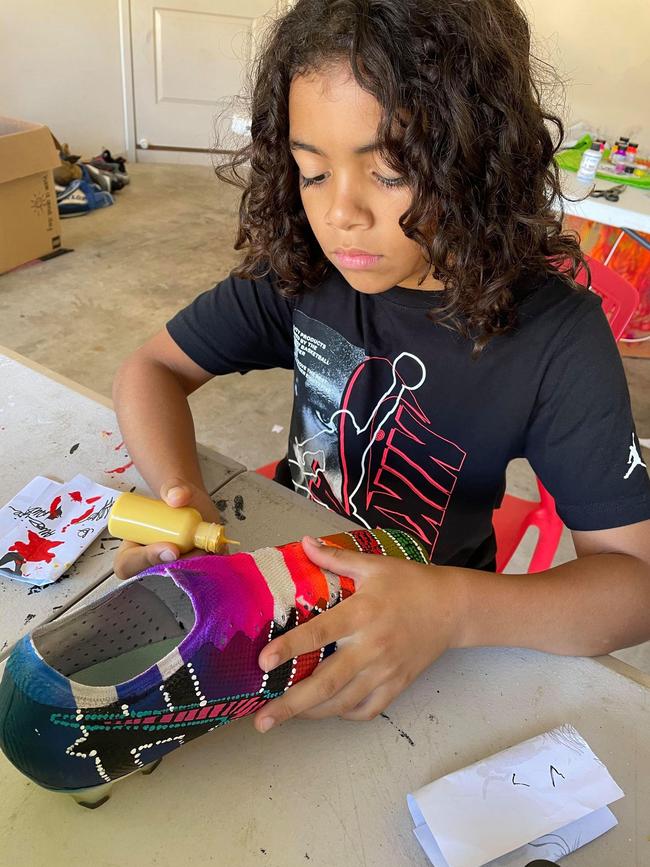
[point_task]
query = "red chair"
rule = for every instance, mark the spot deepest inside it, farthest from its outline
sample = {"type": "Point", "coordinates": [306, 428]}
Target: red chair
{"type": "Point", "coordinates": [516, 515]}
{"type": "Point", "coordinates": [267, 470]}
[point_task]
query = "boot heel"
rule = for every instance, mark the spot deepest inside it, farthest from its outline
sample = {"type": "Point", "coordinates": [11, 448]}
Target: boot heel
{"type": "Point", "coordinates": [149, 769]}
{"type": "Point", "coordinates": [98, 795]}
{"type": "Point", "coordinates": [94, 797]}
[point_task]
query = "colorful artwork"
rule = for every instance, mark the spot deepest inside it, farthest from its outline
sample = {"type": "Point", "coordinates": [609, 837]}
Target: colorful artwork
{"type": "Point", "coordinates": [165, 658]}
{"type": "Point", "coordinates": [47, 525]}
{"type": "Point", "coordinates": [628, 258]}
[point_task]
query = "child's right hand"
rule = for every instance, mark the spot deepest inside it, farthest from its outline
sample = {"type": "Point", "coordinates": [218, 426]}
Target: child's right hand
{"type": "Point", "coordinates": [132, 558]}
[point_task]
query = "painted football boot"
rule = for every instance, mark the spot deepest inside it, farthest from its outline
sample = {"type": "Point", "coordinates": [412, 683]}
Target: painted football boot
{"type": "Point", "coordinates": [166, 657]}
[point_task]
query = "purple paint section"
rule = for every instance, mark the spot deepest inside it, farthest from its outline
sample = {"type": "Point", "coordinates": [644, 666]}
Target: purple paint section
{"type": "Point", "coordinates": [140, 685]}
{"type": "Point", "coordinates": [234, 610]}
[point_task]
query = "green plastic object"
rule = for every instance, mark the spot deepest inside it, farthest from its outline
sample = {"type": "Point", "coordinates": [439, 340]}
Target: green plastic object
{"type": "Point", "coordinates": [570, 158]}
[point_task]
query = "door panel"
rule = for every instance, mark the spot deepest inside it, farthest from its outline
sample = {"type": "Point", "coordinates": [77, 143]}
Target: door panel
{"type": "Point", "coordinates": [188, 61]}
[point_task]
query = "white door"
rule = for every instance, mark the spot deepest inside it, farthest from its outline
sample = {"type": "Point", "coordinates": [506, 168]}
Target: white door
{"type": "Point", "coordinates": [188, 61]}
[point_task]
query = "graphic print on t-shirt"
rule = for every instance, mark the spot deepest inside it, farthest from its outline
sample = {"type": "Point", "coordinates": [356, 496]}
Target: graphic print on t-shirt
{"type": "Point", "coordinates": [361, 444]}
{"type": "Point", "coordinates": [634, 458]}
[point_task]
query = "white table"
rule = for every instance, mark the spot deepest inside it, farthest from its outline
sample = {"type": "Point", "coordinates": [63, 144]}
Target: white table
{"type": "Point", "coordinates": [631, 213]}
{"type": "Point", "coordinates": [52, 427]}
{"type": "Point", "coordinates": [333, 793]}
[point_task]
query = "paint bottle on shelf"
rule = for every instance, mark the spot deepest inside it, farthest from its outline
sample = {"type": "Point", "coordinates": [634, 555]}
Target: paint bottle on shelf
{"type": "Point", "coordinates": [589, 162]}
{"type": "Point", "coordinates": [144, 520]}
{"type": "Point", "coordinates": [630, 153]}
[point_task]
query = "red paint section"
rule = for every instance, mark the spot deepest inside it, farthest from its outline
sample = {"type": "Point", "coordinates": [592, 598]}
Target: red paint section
{"type": "Point", "coordinates": [120, 469]}
{"type": "Point", "coordinates": [119, 446]}
{"type": "Point", "coordinates": [36, 549]}
{"type": "Point", "coordinates": [94, 499]}
{"type": "Point", "coordinates": [310, 582]}
{"type": "Point", "coordinates": [75, 495]}
{"type": "Point", "coordinates": [312, 590]}
{"type": "Point", "coordinates": [83, 517]}
{"type": "Point", "coordinates": [55, 510]}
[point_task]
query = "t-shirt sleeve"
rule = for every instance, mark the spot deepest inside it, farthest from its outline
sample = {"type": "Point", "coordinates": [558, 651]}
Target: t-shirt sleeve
{"type": "Point", "coordinates": [237, 326]}
{"type": "Point", "coordinates": [582, 442]}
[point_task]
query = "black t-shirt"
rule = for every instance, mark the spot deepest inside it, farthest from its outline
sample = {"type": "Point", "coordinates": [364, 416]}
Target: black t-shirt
{"type": "Point", "coordinates": [395, 424]}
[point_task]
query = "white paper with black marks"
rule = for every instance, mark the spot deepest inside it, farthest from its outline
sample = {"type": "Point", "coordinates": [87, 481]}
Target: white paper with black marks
{"type": "Point", "coordinates": [543, 798]}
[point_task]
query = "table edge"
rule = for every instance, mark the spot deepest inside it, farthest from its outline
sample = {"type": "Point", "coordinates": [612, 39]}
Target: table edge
{"type": "Point", "coordinates": [57, 377]}
{"type": "Point", "coordinates": [624, 669]}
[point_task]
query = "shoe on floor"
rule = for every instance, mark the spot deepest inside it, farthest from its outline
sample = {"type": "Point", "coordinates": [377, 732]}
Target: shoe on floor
{"type": "Point", "coordinates": [113, 170]}
{"type": "Point", "coordinates": [106, 159]}
{"type": "Point", "coordinates": [79, 197]}
{"type": "Point", "coordinates": [166, 657]}
{"type": "Point", "coordinates": [104, 180]}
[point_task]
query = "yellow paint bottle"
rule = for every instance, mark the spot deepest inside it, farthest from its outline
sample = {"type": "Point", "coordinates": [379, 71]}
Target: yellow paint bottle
{"type": "Point", "coordinates": [141, 519]}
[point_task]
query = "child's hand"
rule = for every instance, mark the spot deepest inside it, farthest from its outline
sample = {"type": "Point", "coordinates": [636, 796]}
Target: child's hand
{"type": "Point", "coordinates": [402, 616]}
{"type": "Point", "coordinates": [132, 558]}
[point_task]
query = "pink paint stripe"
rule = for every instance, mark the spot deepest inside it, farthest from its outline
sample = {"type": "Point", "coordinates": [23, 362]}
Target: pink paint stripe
{"type": "Point", "coordinates": [246, 707]}
{"type": "Point", "coordinates": [216, 710]}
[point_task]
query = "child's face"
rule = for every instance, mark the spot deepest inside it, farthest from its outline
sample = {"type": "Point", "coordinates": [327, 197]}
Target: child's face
{"type": "Point", "coordinates": [349, 206]}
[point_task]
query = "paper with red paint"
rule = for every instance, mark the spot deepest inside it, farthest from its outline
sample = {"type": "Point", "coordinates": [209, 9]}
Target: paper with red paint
{"type": "Point", "coordinates": [48, 525]}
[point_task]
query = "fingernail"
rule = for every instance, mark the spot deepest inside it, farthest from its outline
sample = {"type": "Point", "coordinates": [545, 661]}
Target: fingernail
{"type": "Point", "coordinates": [174, 493]}
{"type": "Point", "coordinates": [313, 541]}
{"type": "Point", "coordinates": [167, 556]}
{"type": "Point", "coordinates": [271, 662]}
{"type": "Point", "coordinates": [266, 724]}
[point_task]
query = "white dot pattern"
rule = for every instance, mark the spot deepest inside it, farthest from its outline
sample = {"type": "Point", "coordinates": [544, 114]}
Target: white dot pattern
{"type": "Point", "coordinates": [73, 751]}
{"type": "Point", "coordinates": [197, 686]}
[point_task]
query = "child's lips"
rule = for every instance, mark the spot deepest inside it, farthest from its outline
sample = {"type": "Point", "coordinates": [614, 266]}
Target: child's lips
{"type": "Point", "coordinates": [356, 259]}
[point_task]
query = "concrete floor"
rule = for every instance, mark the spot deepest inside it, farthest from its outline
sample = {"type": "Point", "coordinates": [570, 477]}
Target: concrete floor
{"type": "Point", "coordinates": [169, 237]}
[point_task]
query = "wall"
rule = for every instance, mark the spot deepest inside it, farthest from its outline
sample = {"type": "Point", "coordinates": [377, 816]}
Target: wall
{"type": "Point", "coordinates": [602, 51]}
{"type": "Point", "coordinates": [61, 66]}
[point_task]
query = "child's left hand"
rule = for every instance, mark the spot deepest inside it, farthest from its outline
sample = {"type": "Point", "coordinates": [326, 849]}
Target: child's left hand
{"type": "Point", "coordinates": [402, 616]}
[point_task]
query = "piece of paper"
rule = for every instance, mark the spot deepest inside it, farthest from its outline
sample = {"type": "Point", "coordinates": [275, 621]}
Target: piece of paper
{"type": "Point", "coordinates": [47, 525]}
{"type": "Point", "coordinates": [546, 794]}
{"type": "Point", "coordinates": [24, 499]}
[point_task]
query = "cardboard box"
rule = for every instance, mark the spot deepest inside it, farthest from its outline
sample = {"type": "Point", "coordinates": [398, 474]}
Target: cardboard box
{"type": "Point", "coordinates": [29, 217]}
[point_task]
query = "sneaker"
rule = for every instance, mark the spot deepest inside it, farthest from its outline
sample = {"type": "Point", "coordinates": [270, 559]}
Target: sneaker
{"type": "Point", "coordinates": [79, 197]}
{"type": "Point", "coordinates": [107, 160]}
{"type": "Point", "coordinates": [104, 180]}
{"type": "Point", "coordinates": [166, 657]}
{"type": "Point", "coordinates": [112, 169]}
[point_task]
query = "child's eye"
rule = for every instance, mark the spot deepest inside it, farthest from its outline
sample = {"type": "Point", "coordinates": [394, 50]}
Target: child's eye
{"type": "Point", "coordinates": [318, 180]}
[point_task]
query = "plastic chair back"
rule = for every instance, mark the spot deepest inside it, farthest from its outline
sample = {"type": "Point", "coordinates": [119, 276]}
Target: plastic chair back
{"type": "Point", "coordinates": [620, 298]}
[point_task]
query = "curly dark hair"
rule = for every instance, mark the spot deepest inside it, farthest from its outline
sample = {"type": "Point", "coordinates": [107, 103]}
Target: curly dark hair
{"type": "Point", "coordinates": [462, 121]}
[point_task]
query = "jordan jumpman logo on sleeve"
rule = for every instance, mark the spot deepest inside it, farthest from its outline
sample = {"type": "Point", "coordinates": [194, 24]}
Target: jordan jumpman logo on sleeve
{"type": "Point", "coordinates": [634, 460]}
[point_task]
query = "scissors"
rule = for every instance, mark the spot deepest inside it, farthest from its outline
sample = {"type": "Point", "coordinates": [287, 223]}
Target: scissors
{"type": "Point", "coordinates": [612, 194]}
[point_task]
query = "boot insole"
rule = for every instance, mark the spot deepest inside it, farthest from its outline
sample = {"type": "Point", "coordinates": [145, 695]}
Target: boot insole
{"type": "Point", "coordinates": [126, 665]}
